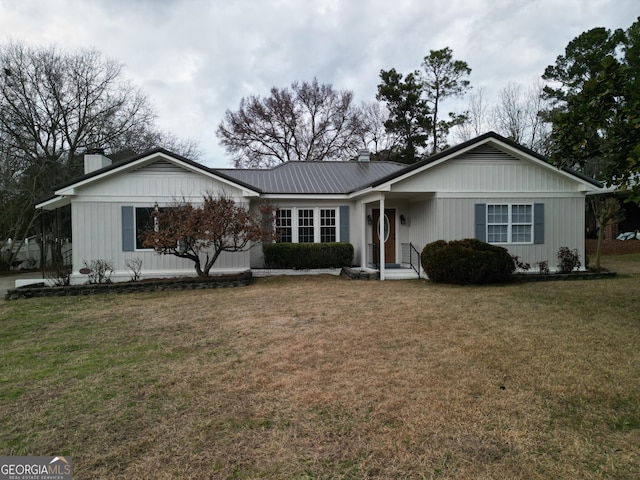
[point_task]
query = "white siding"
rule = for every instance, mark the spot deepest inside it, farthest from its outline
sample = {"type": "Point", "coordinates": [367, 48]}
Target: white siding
{"type": "Point", "coordinates": [453, 219]}
{"type": "Point", "coordinates": [97, 218]}
{"type": "Point", "coordinates": [100, 224]}
{"type": "Point", "coordinates": [158, 180]}
{"type": "Point", "coordinates": [489, 175]}
{"type": "Point", "coordinates": [490, 172]}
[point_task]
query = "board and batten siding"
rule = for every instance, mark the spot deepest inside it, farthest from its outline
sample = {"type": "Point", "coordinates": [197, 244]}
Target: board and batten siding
{"type": "Point", "coordinates": [101, 226]}
{"type": "Point", "coordinates": [97, 217]}
{"type": "Point", "coordinates": [487, 169]}
{"type": "Point", "coordinates": [159, 180]}
{"type": "Point", "coordinates": [454, 219]}
{"type": "Point", "coordinates": [487, 175]}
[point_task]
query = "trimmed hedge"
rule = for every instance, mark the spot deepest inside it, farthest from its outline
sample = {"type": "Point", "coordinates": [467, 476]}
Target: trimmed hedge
{"type": "Point", "coordinates": [308, 255]}
{"type": "Point", "coordinates": [467, 261]}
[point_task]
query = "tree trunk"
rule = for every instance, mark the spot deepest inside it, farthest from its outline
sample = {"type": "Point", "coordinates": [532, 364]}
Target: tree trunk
{"type": "Point", "coordinates": [599, 247]}
{"type": "Point", "coordinates": [212, 261]}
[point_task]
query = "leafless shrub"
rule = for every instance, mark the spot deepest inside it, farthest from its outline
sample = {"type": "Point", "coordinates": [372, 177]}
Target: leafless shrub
{"type": "Point", "coordinates": [99, 271]}
{"type": "Point", "coordinates": [134, 265]}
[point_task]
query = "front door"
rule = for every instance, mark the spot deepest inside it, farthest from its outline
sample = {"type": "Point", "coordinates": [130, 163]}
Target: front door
{"type": "Point", "coordinates": [389, 220]}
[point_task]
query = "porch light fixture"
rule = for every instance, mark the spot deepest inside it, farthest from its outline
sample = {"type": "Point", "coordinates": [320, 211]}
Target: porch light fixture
{"type": "Point", "coordinates": [369, 220]}
{"type": "Point", "coordinates": [403, 220]}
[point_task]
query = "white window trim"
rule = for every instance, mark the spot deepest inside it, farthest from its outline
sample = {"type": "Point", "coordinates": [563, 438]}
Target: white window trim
{"type": "Point", "coordinates": [291, 219]}
{"type": "Point", "coordinates": [295, 225]}
{"type": "Point", "coordinates": [510, 224]}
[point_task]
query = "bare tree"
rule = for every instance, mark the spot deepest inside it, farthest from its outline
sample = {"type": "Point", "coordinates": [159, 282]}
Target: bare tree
{"type": "Point", "coordinates": [477, 120]}
{"type": "Point", "coordinates": [517, 116]}
{"type": "Point", "coordinates": [307, 122]}
{"type": "Point", "coordinates": [55, 105]}
{"type": "Point", "coordinates": [509, 114]}
{"type": "Point", "coordinates": [374, 134]}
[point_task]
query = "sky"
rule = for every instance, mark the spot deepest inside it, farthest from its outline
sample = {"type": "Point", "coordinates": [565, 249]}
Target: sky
{"type": "Point", "coordinates": [196, 59]}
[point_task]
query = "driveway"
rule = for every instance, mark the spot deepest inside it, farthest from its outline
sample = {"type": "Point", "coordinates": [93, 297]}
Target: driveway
{"type": "Point", "coordinates": [9, 281]}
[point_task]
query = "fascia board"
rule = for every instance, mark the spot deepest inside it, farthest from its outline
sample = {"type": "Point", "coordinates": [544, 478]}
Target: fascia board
{"type": "Point", "coordinates": [53, 203]}
{"type": "Point", "coordinates": [298, 196]}
{"type": "Point", "coordinates": [368, 196]}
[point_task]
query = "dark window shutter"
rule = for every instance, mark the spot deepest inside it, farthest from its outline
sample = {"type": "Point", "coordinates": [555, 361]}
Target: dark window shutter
{"type": "Point", "coordinates": [128, 230]}
{"type": "Point", "coordinates": [538, 223]}
{"type": "Point", "coordinates": [481, 221]}
{"type": "Point", "coordinates": [344, 223]}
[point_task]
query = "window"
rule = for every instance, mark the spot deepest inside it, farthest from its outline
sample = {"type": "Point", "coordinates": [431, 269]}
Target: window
{"type": "Point", "coordinates": [144, 222]}
{"type": "Point", "coordinates": [327, 225]}
{"type": "Point", "coordinates": [305, 226]}
{"type": "Point", "coordinates": [284, 228]}
{"type": "Point", "coordinates": [309, 225]}
{"type": "Point", "coordinates": [509, 223]}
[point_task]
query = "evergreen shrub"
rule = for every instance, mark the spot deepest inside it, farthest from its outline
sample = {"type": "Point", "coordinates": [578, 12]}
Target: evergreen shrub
{"type": "Point", "coordinates": [467, 261]}
{"type": "Point", "coordinates": [308, 255]}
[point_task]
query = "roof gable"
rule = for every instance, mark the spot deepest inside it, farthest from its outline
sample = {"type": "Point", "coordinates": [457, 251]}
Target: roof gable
{"type": "Point", "coordinates": [159, 161]}
{"type": "Point", "coordinates": [345, 178]}
{"type": "Point", "coordinates": [489, 147]}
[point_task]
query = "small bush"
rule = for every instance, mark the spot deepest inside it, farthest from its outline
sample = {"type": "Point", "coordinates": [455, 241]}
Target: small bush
{"type": "Point", "coordinates": [308, 255]}
{"type": "Point", "coordinates": [99, 271]}
{"type": "Point", "coordinates": [543, 267]}
{"type": "Point", "coordinates": [520, 265]}
{"type": "Point", "coordinates": [59, 275]}
{"type": "Point", "coordinates": [468, 261]}
{"type": "Point", "coordinates": [134, 265]}
{"type": "Point", "coordinates": [568, 260]}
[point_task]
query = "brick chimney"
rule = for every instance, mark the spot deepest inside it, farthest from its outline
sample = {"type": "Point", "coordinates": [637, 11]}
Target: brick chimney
{"type": "Point", "coordinates": [94, 159]}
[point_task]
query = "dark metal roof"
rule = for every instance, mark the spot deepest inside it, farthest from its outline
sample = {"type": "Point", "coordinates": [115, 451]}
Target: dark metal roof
{"type": "Point", "coordinates": [315, 177]}
{"type": "Point", "coordinates": [319, 177]}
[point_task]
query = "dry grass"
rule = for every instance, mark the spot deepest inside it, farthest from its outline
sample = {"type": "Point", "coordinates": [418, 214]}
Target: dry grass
{"type": "Point", "coordinates": [321, 377]}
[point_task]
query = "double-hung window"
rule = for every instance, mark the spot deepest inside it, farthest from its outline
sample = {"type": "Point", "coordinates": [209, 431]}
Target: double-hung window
{"type": "Point", "coordinates": [284, 228]}
{"type": "Point", "coordinates": [328, 225]}
{"type": "Point", "coordinates": [307, 225]}
{"type": "Point", "coordinates": [510, 223]}
{"type": "Point", "coordinates": [306, 232]}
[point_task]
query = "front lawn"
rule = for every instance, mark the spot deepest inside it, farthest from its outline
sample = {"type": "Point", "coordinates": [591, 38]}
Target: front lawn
{"type": "Point", "coordinates": [322, 377]}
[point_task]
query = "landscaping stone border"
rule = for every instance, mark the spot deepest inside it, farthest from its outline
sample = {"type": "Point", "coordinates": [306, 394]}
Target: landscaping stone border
{"type": "Point", "coordinates": [185, 283]}
{"type": "Point", "coordinates": [359, 273]}
{"type": "Point", "coordinates": [549, 277]}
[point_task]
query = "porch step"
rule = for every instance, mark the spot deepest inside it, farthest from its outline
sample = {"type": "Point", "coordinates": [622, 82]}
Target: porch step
{"type": "Point", "coordinates": [400, 274]}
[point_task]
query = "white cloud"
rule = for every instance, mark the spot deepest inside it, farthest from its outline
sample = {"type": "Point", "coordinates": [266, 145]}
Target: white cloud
{"type": "Point", "coordinates": [198, 58]}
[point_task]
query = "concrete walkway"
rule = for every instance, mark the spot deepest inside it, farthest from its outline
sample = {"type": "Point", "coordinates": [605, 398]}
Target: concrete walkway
{"type": "Point", "coordinates": [9, 281]}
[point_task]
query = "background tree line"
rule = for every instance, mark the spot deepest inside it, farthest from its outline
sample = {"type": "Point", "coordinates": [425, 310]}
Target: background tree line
{"type": "Point", "coordinates": [56, 105]}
